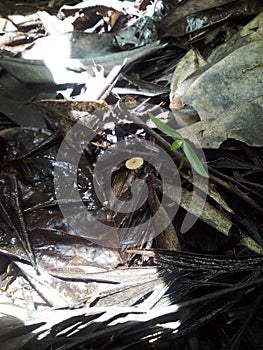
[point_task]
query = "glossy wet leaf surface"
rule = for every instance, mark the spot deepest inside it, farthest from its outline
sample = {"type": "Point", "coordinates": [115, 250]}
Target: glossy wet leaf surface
{"type": "Point", "coordinates": [59, 287]}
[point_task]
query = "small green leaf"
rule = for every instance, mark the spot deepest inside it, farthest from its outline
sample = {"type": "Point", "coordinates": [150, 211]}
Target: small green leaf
{"type": "Point", "coordinates": [180, 142]}
{"type": "Point", "coordinates": [194, 160]}
{"type": "Point", "coordinates": [176, 144]}
{"type": "Point", "coordinates": [166, 129]}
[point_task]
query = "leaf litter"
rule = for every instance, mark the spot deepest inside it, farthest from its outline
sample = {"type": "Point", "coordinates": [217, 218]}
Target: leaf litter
{"type": "Point", "coordinates": [194, 63]}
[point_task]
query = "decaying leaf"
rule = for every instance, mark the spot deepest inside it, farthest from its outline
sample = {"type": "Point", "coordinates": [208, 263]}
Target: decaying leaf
{"type": "Point", "coordinates": [189, 64]}
{"type": "Point", "coordinates": [251, 32]}
{"type": "Point", "coordinates": [224, 100]}
{"type": "Point", "coordinates": [70, 70]}
{"type": "Point", "coordinates": [191, 16]}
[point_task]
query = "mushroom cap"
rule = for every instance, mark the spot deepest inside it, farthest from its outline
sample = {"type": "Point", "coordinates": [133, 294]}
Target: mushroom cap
{"type": "Point", "coordinates": [134, 163]}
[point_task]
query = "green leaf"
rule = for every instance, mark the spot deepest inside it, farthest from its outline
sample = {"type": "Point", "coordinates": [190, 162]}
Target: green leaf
{"type": "Point", "coordinates": [194, 160]}
{"type": "Point", "coordinates": [176, 144]}
{"type": "Point", "coordinates": [180, 142]}
{"type": "Point", "coordinates": [166, 129]}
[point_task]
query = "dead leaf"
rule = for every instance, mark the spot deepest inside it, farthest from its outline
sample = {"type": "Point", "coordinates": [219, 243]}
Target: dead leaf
{"type": "Point", "coordinates": [225, 102]}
